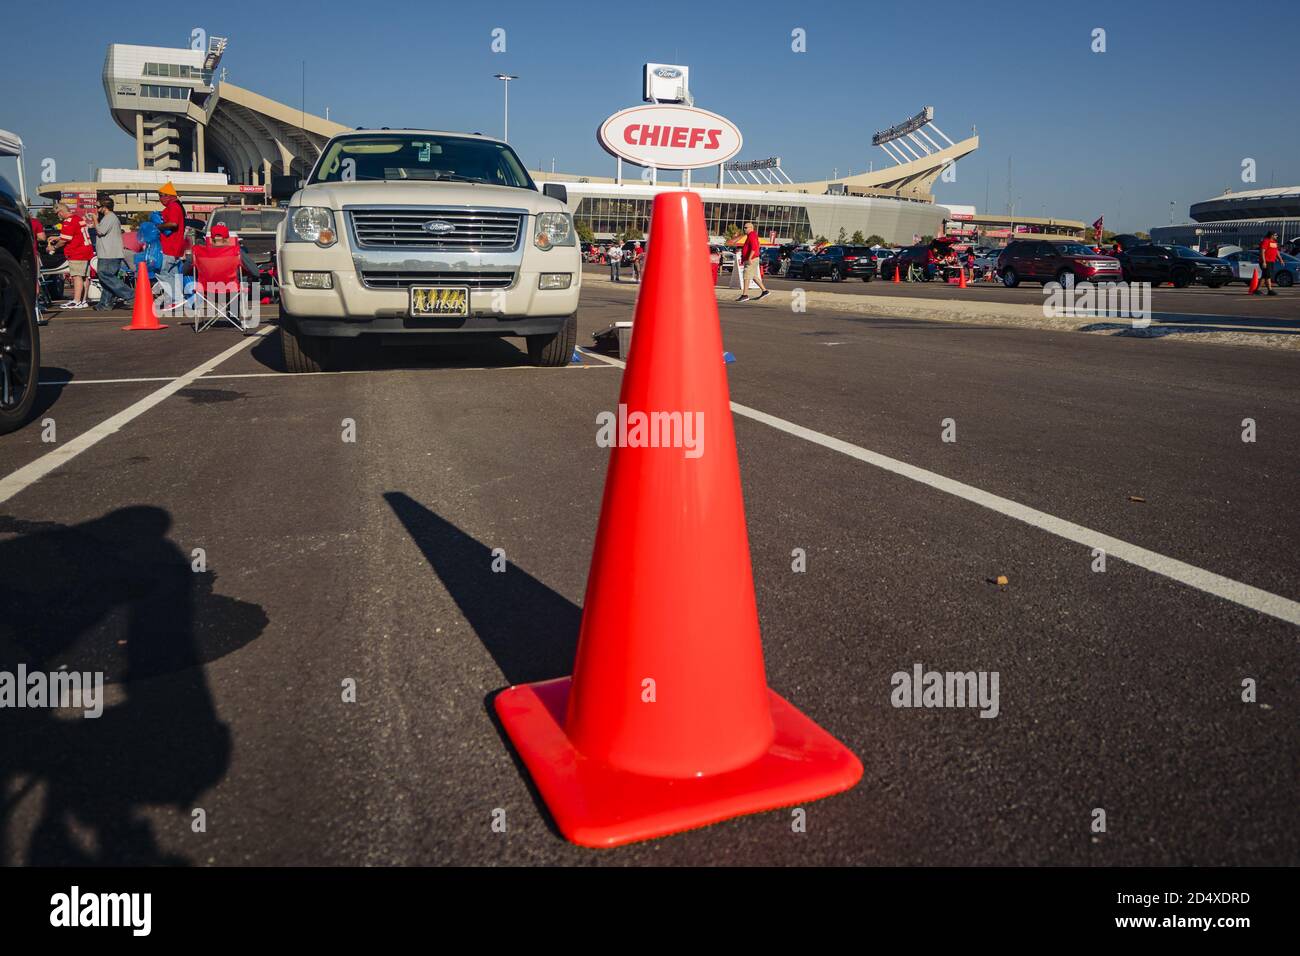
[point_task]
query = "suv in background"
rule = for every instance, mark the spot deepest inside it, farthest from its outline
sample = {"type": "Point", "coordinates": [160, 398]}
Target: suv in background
{"type": "Point", "coordinates": [902, 261]}
{"type": "Point", "coordinates": [420, 235]}
{"type": "Point", "coordinates": [1180, 265]}
{"type": "Point", "coordinates": [20, 339]}
{"type": "Point", "coordinates": [799, 259]}
{"type": "Point", "coordinates": [1038, 260]}
{"type": "Point", "coordinates": [255, 227]}
{"type": "Point", "coordinates": [841, 262]}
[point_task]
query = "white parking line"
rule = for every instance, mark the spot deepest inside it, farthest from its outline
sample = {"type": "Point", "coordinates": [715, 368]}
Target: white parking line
{"type": "Point", "coordinates": [33, 472]}
{"type": "Point", "coordinates": [1246, 595]}
{"type": "Point", "coordinates": [286, 375]}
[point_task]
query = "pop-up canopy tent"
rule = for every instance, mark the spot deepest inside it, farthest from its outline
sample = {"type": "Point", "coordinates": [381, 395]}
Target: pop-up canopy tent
{"type": "Point", "coordinates": [11, 145]}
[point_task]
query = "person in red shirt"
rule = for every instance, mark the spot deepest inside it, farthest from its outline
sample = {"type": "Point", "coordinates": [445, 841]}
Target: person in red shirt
{"type": "Point", "coordinates": [1269, 257]}
{"type": "Point", "coordinates": [173, 243]}
{"type": "Point", "coordinates": [749, 264]}
{"type": "Point", "coordinates": [77, 250]}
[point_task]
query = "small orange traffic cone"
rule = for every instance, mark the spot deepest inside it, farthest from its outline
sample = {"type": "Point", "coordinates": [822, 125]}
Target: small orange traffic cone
{"type": "Point", "coordinates": [961, 278]}
{"type": "Point", "coordinates": [1254, 283]}
{"type": "Point", "coordinates": [143, 317]}
{"type": "Point", "coordinates": [667, 722]}
{"type": "Point", "coordinates": [897, 269]}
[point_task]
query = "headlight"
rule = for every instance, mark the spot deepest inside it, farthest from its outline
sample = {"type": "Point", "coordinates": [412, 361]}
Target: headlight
{"type": "Point", "coordinates": [553, 229]}
{"type": "Point", "coordinates": [312, 224]}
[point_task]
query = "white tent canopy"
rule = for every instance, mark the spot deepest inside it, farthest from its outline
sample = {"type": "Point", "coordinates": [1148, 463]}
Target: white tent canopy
{"type": "Point", "coordinates": [12, 145]}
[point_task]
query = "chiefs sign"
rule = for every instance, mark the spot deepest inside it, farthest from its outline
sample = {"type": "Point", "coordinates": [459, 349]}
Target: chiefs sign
{"type": "Point", "coordinates": [670, 137]}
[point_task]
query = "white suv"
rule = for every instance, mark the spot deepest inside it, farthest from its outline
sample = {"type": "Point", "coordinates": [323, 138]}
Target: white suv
{"type": "Point", "coordinates": [425, 236]}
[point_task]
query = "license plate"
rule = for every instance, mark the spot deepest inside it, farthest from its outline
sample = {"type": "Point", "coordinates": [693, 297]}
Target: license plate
{"type": "Point", "coordinates": [436, 300]}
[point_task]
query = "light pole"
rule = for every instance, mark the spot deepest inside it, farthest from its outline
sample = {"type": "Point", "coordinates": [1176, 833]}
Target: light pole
{"type": "Point", "coordinates": [506, 78]}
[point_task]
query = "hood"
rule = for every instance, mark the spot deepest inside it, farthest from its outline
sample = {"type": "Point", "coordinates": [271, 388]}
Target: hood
{"type": "Point", "coordinates": [402, 193]}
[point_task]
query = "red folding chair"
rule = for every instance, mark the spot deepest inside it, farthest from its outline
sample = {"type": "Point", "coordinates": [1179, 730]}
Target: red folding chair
{"type": "Point", "coordinates": [218, 288]}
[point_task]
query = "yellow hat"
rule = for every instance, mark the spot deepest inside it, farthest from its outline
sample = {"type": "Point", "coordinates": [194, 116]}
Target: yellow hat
{"type": "Point", "coordinates": [167, 189]}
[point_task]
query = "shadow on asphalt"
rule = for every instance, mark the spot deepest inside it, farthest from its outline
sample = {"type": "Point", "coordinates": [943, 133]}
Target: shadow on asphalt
{"type": "Point", "coordinates": [1160, 331]}
{"type": "Point", "coordinates": [365, 353]}
{"type": "Point", "coordinates": [115, 596]}
{"type": "Point", "coordinates": [530, 630]}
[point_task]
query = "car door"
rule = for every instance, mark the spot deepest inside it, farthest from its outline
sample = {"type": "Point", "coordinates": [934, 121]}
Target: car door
{"type": "Point", "coordinates": [1044, 262]}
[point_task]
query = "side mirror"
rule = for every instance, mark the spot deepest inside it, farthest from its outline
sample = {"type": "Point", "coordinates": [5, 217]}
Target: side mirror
{"type": "Point", "coordinates": [283, 187]}
{"type": "Point", "coordinates": [556, 191]}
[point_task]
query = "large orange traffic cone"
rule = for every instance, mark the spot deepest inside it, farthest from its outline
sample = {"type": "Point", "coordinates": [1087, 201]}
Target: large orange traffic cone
{"type": "Point", "coordinates": [1254, 283]}
{"type": "Point", "coordinates": [961, 278]}
{"type": "Point", "coordinates": [667, 722]}
{"type": "Point", "coordinates": [143, 317]}
{"type": "Point", "coordinates": [897, 269]}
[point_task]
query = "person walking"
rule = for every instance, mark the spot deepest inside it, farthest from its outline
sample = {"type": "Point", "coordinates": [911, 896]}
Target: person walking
{"type": "Point", "coordinates": [638, 256]}
{"type": "Point", "coordinates": [749, 258]}
{"type": "Point", "coordinates": [615, 255]}
{"type": "Point", "coordinates": [173, 244]}
{"type": "Point", "coordinates": [1269, 257]}
{"type": "Point", "coordinates": [112, 257]}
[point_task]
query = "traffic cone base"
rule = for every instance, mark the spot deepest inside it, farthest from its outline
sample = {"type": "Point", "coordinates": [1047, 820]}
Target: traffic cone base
{"type": "Point", "coordinates": [595, 805]}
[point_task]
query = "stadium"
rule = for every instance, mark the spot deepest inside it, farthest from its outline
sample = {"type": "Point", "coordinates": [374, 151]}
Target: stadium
{"type": "Point", "coordinates": [1239, 219]}
{"type": "Point", "coordinates": [221, 144]}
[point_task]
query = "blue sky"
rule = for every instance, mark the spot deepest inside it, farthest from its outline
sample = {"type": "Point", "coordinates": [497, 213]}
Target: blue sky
{"type": "Point", "coordinates": [1166, 114]}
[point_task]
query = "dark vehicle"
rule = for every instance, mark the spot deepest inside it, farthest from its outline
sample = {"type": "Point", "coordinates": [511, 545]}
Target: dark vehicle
{"type": "Point", "coordinates": [771, 258]}
{"type": "Point", "coordinates": [1130, 241]}
{"type": "Point", "coordinates": [904, 259]}
{"type": "Point", "coordinates": [1180, 265]}
{"type": "Point", "coordinates": [841, 262]}
{"type": "Point", "coordinates": [254, 226]}
{"type": "Point", "coordinates": [1036, 260]}
{"type": "Point", "coordinates": [20, 344]}
{"type": "Point", "coordinates": [798, 261]}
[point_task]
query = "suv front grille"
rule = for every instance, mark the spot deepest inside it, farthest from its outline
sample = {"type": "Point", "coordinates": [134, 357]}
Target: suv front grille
{"type": "Point", "coordinates": [474, 230]}
{"type": "Point", "coordinates": [374, 279]}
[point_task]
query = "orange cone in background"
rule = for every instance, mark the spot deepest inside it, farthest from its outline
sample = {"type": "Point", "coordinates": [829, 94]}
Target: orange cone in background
{"type": "Point", "coordinates": [1254, 282]}
{"type": "Point", "coordinates": [143, 317]}
{"type": "Point", "coordinates": [961, 278]}
{"type": "Point", "coordinates": [667, 723]}
{"type": "Point", "coordinates": [896, 271]}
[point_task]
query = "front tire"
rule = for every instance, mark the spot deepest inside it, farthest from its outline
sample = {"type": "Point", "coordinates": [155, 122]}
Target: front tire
{"type": "Point", "coordinates": [836, 275]}
{"type": "Point", "coordinates": [1009, 278]}
{"type": "Point", "coordinates": [303, 353]}
{"type": "Point", "coordinates": [556, 349]}
{"type": "Point", "coordinates": [1182, 280]}
{"type": "Point", "coordinates": [20, 344]}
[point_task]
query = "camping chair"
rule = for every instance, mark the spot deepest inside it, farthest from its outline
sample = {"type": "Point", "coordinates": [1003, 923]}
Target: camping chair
{"type": "Point", "coordinates": [218, 291]}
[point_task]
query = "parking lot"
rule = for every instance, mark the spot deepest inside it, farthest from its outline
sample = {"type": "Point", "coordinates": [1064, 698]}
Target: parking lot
{"type": "Point", "coordinates": [325, 560]}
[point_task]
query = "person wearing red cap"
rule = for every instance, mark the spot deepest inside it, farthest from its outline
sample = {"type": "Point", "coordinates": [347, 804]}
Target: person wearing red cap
{"type": "Point", "coordinates": [220, 236]}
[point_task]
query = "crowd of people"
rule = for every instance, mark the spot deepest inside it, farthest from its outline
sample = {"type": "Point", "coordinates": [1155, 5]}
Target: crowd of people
{"type": "Point", "coordinates": [159, 242]}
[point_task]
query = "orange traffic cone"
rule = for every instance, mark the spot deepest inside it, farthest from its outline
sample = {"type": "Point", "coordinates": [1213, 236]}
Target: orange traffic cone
{"type": "Point", "coordinates": [896, 271]}
{"type": "Point", "coordinates": [961, 278]}
{"type": "Point", "coordinates": [143, 317]}
{"type": "Point", "coordinates": [667, 723]}
{"type": "Point", "coordinates": [1254, 283]}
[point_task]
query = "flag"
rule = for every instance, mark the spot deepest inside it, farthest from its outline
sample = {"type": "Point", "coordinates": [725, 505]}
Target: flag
{"type": "Point", "coordinates": [1097, 227]}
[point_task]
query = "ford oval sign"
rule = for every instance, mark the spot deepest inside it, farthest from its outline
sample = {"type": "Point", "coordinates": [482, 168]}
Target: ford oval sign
{"type": "Point", "coordinates": [670, 137]}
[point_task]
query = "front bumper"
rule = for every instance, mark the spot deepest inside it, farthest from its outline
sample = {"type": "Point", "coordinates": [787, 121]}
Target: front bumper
{"type": "Point", "coordinates": [351, 308]}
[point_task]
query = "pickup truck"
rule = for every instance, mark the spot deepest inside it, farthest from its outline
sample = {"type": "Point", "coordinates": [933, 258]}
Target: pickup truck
{"type": "Point", "coordinates": [421, 236]}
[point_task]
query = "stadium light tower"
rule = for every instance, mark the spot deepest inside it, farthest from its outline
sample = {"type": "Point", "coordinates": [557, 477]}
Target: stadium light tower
{"type": "Point", "coordinates": [506, 78]}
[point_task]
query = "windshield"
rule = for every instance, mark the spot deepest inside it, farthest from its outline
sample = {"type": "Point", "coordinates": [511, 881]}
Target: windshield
{"type": "Point", "coordinates": [245, 220]}
{"type": "Point", "coordinates": [1074, 249]}
{"type": "Point", "coordinates": [420, 157]}
{"type": "Point", "coordinates": [1185, 253]}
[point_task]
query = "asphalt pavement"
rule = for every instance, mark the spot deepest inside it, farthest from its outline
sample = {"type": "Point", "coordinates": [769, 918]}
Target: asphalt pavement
{"type": "Point", "coordinates": [324, 565]}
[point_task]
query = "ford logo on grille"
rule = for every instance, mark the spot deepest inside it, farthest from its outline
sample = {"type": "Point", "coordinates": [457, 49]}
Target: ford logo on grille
{"type": "Point", "coordinates": [438, 227]}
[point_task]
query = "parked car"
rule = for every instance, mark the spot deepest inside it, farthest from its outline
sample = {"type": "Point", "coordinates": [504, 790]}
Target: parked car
{"type": "Point", "coordinates": [771, 260]}
{"type": "Point", "coordinates": [1180, 265]}
{"type": "Point", "coordinates": [20, 354]}
{"type": "Point", "coordinates": [254, 226]}
{"type": "Point", "coordinates": [798, 263]}
{"type": "Point", "coordinates": [726, 257]}
{"type": "Point", "coordinates": [902, 261]}
{"type": "Point", "coordinates": [418, 235]}
{"type": "Point", "coordinates": [1037, 260]}
{"type": "Point", "coordinates": [841, 262]}
{"type": "Point", "coordinates": [1245, 263]}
